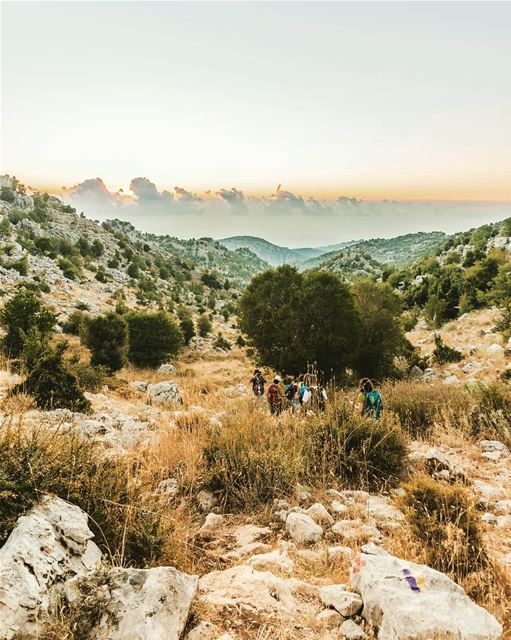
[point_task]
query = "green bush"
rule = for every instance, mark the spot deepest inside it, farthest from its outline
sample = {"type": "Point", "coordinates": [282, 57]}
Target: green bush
{"type": "Point", "coordinates": [23, 315]}
{"type": "Point", "coordinates": [359, 452]}
{"type": "Point", "coordinates": [443, 354]}
{"type": "Point", "coordinates": [107, 338]}
{"type": "Point", "coordinates": [74, 323]}
{"type": "Point", "coordinates": [21, 266]}
{"type": "Point", "coordinates": [490, 415]}
{"type": "Point", "coordinates": [445, 520]}
{"type": "Point", "coordinates": [52, 384]}
{"type": "Point", "coordinates": [153, 338]}
{"type": "Point", "coordinates": [222, 343]}
{"type": "Point", "coordinates": [204, 326]}
{"type": "Point", "coordinates": [70, 269]}
{"type": "Point", "coordinates": [187, 328]}
{"type": "Point", "coordinates": [89, 378]}
{"type": "Point", "coordinates": [34, 461]}
{"type": "Point", "coordinates": [7, 194]}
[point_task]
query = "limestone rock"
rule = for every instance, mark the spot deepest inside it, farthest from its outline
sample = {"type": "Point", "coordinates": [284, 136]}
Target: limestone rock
{"type": "Point", "coordinates": [146, 604]}
{"type": "Point", "coordinates": [139, 385]}
{"type": "Point", "coordinates": [211, 525]}
{"type": "Point", "coordinates": [49, 544]}
{"type": "Point", "coordinates": [346, 603]}
{"type": "Point", "coordinates": [349, 630]}
{"type": "Point", "coordinates": [415, 373]}
{"type": "Point", "coordinates": [329, 619]}
{"type": "Point", "coordinates": [302, 528]}
{"type": "Point", "coordinates": [494, 349]}
{"type": "Point", "coordinates": [356, 530]}
{"type": "Point", "coordinates": [440, 610]}
{"type": "Point", "coordinates": [206, 500]}
{"type": "Point", "coordinates": [166, 369]}
{"type": "Point", "coordinates": [205, 630]}
{"type": "Point", "coordinates": [320, 515]}
{"type": "Point", "coordinates": [273, 560]}
{"type": "Point", "coordinates": [162, 393]}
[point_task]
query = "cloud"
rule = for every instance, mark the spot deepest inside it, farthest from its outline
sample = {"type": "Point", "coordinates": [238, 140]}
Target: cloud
{"type": "Point", "coordinates": [145, 191]}
{"type": "Point", "coordinates": [182, 195]}
{"type": "Point", "coordinates": [234, 198]}
{"type": "Point", "coordinates": [283, 202]}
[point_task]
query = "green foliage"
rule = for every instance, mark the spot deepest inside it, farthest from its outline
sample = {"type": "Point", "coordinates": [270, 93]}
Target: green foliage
{"type": "Point", "coordinates": [222, 343]}
{"type": "Point", "coordinates": [211, 280]}
{"type": "Point", "coordinates": [52, 384]}
{"type": "Point", "coordinates": [187, 328]}
{"type": "Point", "coordinates": [445, 520]}
{"type": "Point", "coordinates": [204, 326]}
{"type": "Point", "coordinates": [7, 194]}
{"type": "Point", "coordinates": [25, 317]}
{"type": "Point", "coordinates": [101, 274]}
{"type": "Point", "coordinates": [71, 269]}
{"type": "Point", "coordinates": [359, 452]}
{"type": "Point", "coordinates": [21, 266]}
{"type": "Point", "coordinates": [382, 336]}
{"type": "Point", "coordinates": [35, 462]}
{"type": "Point", "coordinates": [443, 354]}
{"type": "Point", "coordinates": [153, 338]}
{"type": "Point", "coordinates": [133, 270]}
{"type": "Point", "coordinates": [89, 378]}
{"type": "Point", "coordinates": [293, 318]}
{"type": "Point", "coordinates": [490, 416]}
{"type": "Point", "coordinates": [107, 338]}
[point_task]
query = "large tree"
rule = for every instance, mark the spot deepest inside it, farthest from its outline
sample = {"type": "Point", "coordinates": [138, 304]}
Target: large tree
{"type": "Point", "coordinates": [293, 319]}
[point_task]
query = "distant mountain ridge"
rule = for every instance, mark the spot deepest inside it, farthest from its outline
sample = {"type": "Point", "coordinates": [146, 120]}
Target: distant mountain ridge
{"type": "Point", "coordinates": [396, 251]}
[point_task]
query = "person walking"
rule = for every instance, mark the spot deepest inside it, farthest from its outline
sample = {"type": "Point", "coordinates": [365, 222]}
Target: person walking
{"type": "Point", "coordinates": [275, 397]}
{"type": "Point", "coordinates": [369, 401]}
{"type": "Point", "coordinates": [258, 383]}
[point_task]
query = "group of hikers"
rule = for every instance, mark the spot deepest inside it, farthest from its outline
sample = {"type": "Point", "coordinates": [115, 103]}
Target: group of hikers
{"type": "Point", "coordinates": [304, 393]}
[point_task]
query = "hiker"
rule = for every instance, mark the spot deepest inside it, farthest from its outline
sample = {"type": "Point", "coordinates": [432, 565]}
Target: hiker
{"type": "Point", "coordinates": [258, 383]}
{"type": "Point", "coordinates": [274, 396]}
{"type": "Point", "coordinates": [312, 395]}
{"type": "Point", "coordinates": [291, 393]}
{"type": "Point", "coordinates": [369, 401]}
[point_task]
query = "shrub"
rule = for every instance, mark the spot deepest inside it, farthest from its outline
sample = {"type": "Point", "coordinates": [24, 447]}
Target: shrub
{"type": "Point", "coordinates": [204, 326]}
{"type": "Point", "coordinates": [187, 328]}
{"type": "Point", "coordinates": [89, 378]}
{"type": "Point", "coordinates": [24, 314]}
{"type": "Point", "coordinates": [7, 194]}
{"type": "Point", "coordinates": [70, 269]}
{"type": "Point", "coordinates": [153, 338]}
{"type": "Point", "coordinates": [357, 451]}
{"type": "Point", "coordinates": [34, 461]}
{"type": "Point", "coordinates": [21, 266]}
{"type": "Point", "coordinates": [490, 415]}
{"type": "Point", "coordinates": [445, 520]}
{"type": "Point", "coordinates": [107, 338]}
{"type": "Point", "coordinates": [52, 384]}
{"type": "Point", "coordinates": [240, 341]}
{"type": "Point", "coordinates": [443, 354]}
{"type": "Point", "coordinates": [101, 274]}
{"type": "Point", "coordinates": [222, 343]}
{"type": "Point", "coordinates": [250, 464]}
{"type": "Point", "coordinates": [74, 323]}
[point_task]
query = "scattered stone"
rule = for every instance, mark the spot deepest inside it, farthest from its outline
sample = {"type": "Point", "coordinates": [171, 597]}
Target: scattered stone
{"type": "Point", "coordinates": [207, 501]}
{"type": "Point", "coordinates": [329, 619]}
{"type": "Point", "coordinates": [336, 553]}
{"type": "Point", "coordinates": [249, 533]}
{"type": "Point", "coordinates": [429, 375]}
{"type": "Point", "coordinates": [169, 487]}
{"type": "Point", "coordinates": [415, 373]}
{"type": "Point", "coordinates": [356, 530]}
{"type": "Point", "coordinates": [489, 518]}
{"type": "Point", "coordinates": [346, 603]}
{"type": "Point", "coordinates": [205, 630]}
{"type": "Point", "coordinates": [440, 610]}
{"type": "Point", "coordinates": [166, 369]}
{"type": "Point", "coordinates": [273, 560]}
{"type": "Point", "coordinates": [493, 449]}
{"type": "Point", "coordinates": [338, 508]}
{"type": "Point", "coordinates": [494, 349]}
{"type": "Point", "coordinates": [486, 492]}
{"type": "Point", "coordinates": [503, 507]}
{"type": "Point", "coordinates": [349, 630]}
{"type": "Point", "coordinates": [163, 393]}
{"type": "Point", "coordinates": [385, 514]}
{"type": "Point", "coordinates": [503, 522]}
{"type": "Point", "coordinates": [452, 379]}
{"type": "Point", "coordinates": [49, 544]}
{"type": "Point", "coordinates": [320, 515]}
{"type": "Point", "coordinates": [302, 528]}
{"type": "Point", "coordinates": [139, 385]}
{"type": "Point", "coordinates": [211, 525]}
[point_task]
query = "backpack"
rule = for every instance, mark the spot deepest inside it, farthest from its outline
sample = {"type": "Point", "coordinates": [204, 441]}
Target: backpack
{"type": "Point", "coordinates": [273, 395]}
{"type": "Point", "coordinates": [373, 404]}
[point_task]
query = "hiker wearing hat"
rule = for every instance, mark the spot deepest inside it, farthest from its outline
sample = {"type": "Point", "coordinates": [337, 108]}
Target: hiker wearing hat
{"type": "Point", "coordinates": [258, 383]}
{"type": "Point", "coordinates": [275, 397]}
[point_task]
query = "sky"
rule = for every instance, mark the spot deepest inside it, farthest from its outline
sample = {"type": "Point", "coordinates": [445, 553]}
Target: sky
{"type": "Point", "coordinates": [404, 101]}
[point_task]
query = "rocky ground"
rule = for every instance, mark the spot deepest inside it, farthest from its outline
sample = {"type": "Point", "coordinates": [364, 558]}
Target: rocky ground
{"type": "Point", "coordinates": [323, 563]}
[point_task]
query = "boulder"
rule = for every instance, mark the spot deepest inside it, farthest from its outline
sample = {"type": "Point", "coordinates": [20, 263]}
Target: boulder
{"type": "Point", "coordinates": [49, 544]}
{"type": "Point", "coordinates": [493, 449]}
{"type": "Point", "coordinates": [408, 601]}
{"type": "Point", "coordinates": [205, 630]}
{"type": "Point", "coordinates": [273, 560]}
{"type": "Point", "coordinates": [329, 619]}
{"type": "Point", "coordinates": [429, 374]}
{"type": "Point", "coordinates": [494, 349]}
{"type": "Point", "coordinates": [356, 530]}
{"type": "Point", "coordinates": [166, 369]}
{"type": "Point", "coordinates": [383, 511]}
{"type": "Point", "coordinates": [139, 385]}
{"type": "Point", "coordinates": [206, 500]}
{"type": "Point", "coordinates": [452, 379]}
{"type": "Point", "coordinates": [145, 604]}
{"type": "Point", "coordinates": [162, 393]}
{"type": "Point", "coordinates": [211, 525]}
{"type": "Point", "coordinates": [346, 603]}
{"type": "Point", "coordinates": [416, 373]}
{"type": "Point", "coordinates": [302, 528]}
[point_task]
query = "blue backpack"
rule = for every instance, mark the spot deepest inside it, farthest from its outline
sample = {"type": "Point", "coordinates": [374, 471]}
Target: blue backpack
{"type": "Point", "coordinates": [373, 405]}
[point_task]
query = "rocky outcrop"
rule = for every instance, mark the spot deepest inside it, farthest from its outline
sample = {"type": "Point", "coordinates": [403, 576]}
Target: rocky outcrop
{"type": "Point", "coordinates": [408, 601]}
{"type": "Point", "coordinates": [163, 393]}
{"type": "Point", "coordinates": [302, 528]}
{"type": "Point", "coordinates": [48, 545]}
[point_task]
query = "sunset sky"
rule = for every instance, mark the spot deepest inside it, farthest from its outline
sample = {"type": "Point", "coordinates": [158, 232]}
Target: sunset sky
{"type": "Point", "coordinates": [373, 100]}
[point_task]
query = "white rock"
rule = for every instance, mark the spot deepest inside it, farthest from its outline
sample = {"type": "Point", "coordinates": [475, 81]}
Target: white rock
{"type": "Point", "coordinates": [486, 492]}
{"type": "Point", "coordinates": [453, 379]}
{"type": "Point", "coordinates": [494, 349]}
{"type": "Point", "coordinates": [168, 487]}
{"type": "Point", "coordinates": [139, 385]}
{"type": "Point", "coordinates": [162, 393]}
{"type": "Point", "coordinates": [206, 500]}
{"type": "Point", "coordinates": [320, 515]}
{"type": "Point", "coordinates": [356, 530]}
{"type": "Point", "coordinates": [302, 528]}
{"type": "Point", "coordinates": [489, 518]}
{"type": "Point", "coordinates": [211, 525]}
{"type": "Point", "coordinates": [273, 560]}
{"type": "Point", "coordinates": [383, 511]}
{"type": "Point", "coordinates": [166, 369]}
{"type": "Point", "coordinates": [205, 630]}
{"type": "Point", "coordinates": [440, 610]}
{"type": "Point", "coordinates": [351, 631]}
{"type": "Point", "coordinates": [249, 533]}
{"type": "Point", "coordinates": [339, 552]}
{"type": "Point", "coordinates": [48, 545]}
{"type": "Point", "coordinates": [503, 507]}
{"type": "Point", "coordinates": [146, 604]}
{"type": "Point", "coordinates": [415, 373]}
{"type": "Point", "coordinates": [345, 602]}
{"type": "Point", "coordinates": [329, 619]}
{"type": "Point", "coordinates": [503, 522]}
{"type": "Point", "coordinates": [338, 508]}
{"type": "Point", "coordinates": [429, 374]}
